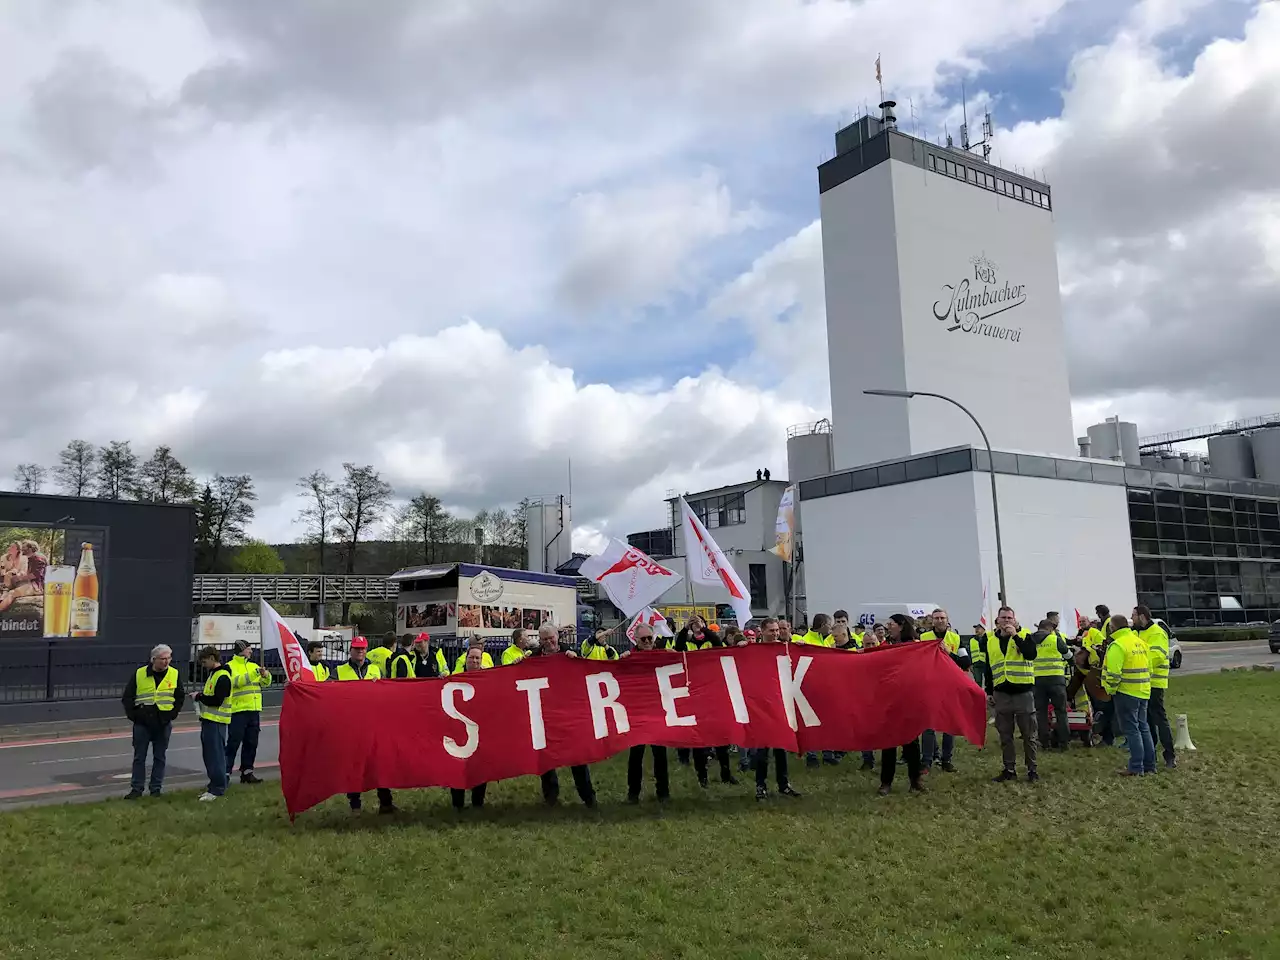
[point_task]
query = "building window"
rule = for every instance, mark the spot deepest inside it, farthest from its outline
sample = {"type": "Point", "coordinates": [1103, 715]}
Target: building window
{"type": "Point", "coordinates": [933, 162]}
{"type": "Point", "coordinates": [721, 511]}
{"type": "Point", "coordinates": [758, 584]}
{"type": "Point", "coordinates": [973, 175]}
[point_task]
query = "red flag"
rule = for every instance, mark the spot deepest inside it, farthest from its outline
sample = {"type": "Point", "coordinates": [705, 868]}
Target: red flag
{"type": "Point", "coordinates": [552, 711]}
{"type": "Point", "coordinates": [277, 636]}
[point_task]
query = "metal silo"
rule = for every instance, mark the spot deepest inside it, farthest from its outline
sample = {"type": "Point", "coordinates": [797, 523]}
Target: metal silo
{"type": "Point", "coordinates": [809, 451]}
{"type": "Point", "coordinates": [1231, 456]}
{"type": "Point", "coordinates": [1115, 439]}
{"type": "Point", "coordinates": [1266, 454]}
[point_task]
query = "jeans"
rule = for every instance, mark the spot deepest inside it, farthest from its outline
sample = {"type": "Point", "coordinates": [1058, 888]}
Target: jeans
{"type": "Point", "coordinates": [459, 797]}
{"type": "Point", "coordinates": [213, 745]}
{"type": "Point", "coordinates": [700, 758]}
{"type": "Point", "coordinates": [929, 748]}
{"type": "Point", "coordinates": [635, 771]}
{"type": "Point", "coordinates": [1052, 690]}
{"type": "Point", "coordinates": [581, 781]}
{"type": "Point", "coordinates": [384, 795]}
{"type": "Point", "coordinates": [760, 763]}
{"type": "Point", "coordinates": [828, 756]}
{"type": "Point", "coordinates": [243, 729]}
{"type": "Point", "coordinates": [1017, 709]}
{"type": "Point", "coordinates": [868, 759]}
{"type": "Point", "coordinates": [1158, 720]}
{"type": "Point", "coordinates": [1132, 714]}
{"type": "Point", "coordinates": [157, 738]}
{"type": "Point", "coordinates": [889, 763]}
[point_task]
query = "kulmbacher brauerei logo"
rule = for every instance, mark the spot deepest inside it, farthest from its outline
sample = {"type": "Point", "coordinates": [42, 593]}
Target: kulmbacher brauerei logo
{"type": "Point", "coordinates": [967, 306]}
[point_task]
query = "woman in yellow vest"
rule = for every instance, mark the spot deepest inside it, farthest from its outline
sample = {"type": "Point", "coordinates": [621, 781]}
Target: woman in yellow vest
{"type": "Point", "coordinates": [1126, 675]}
{"type": "Point", "coordinates": [213, 704]}
{"type": "Point", "coordinates": [152, 698]}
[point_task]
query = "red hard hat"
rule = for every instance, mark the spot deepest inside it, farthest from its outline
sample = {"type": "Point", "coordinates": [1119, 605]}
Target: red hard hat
{"type": "Point", "coordinates": [359, 643]}
{"type": "Point", "coordinates": [426, 637]}
{"type": "Point", "coordinates": [749, 633]}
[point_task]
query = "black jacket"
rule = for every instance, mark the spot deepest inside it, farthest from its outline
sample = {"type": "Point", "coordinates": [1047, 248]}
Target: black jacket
{"type": "Point", "coordinates": [1025, 646]}
{"type": "Point", "coordinates": [221, 691]}
{"type": "Point", "coordinates": [151, 716]}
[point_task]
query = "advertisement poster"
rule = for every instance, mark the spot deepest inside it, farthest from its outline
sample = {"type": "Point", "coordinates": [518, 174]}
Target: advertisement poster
{"type": "Point", "coordinates": [51, 581]}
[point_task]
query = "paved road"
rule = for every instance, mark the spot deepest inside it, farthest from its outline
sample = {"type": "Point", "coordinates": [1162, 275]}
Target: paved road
{"type": "Point", "coordinates": [1212, 657]}
{"type": "Point", "coordinates": [95, 767]}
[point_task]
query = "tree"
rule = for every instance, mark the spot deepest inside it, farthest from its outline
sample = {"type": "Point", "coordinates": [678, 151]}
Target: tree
{"type": "Point", "coordinates": [223, 509]}
{"type": "Point", "coordinates": [163, 479]}
{"type": "Point", "coordinates": [29, 477]}
{"type": "Point", "coordinates": [363, 499]}
{"type": "Point", "coordinates": [427, 523]}
{"type": "Point", "coordinates": [77, 468]}
{"type": "Point", "coordinates": [257, 556]}
{"type": "Point", "coordinates": [518, 535]}
{"type": "Point", "coordinates": [321, 510]}
{"type": "Point", "coordinates": [117, 470]}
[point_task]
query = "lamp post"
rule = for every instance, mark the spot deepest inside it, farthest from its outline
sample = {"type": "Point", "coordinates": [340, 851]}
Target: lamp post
{"type": "Point", "coordinates": [991, 466]}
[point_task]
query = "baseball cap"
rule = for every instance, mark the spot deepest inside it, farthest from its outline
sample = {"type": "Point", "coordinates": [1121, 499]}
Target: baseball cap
{"type": "Point", "coordinates": [425, 637]}
{"type": "Point", "coordinates": [359, 643]}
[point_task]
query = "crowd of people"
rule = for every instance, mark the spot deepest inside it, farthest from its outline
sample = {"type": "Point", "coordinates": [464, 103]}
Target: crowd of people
{"type": "Point", "coordinates": [1113, 674]}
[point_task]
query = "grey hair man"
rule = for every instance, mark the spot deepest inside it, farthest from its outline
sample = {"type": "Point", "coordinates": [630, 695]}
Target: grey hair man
{"type": "Point", "coordinates": [152, 698]}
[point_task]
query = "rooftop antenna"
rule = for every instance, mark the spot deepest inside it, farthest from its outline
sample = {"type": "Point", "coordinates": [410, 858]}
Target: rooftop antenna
{"type": "Point", "coordinates": [886, 106]}
{"type": "Point", "coordinates": [964, 127]}
{"type": "Point", "coordinates": [988, 134]}
{"type": "Point", "coordinates": [911, 105]}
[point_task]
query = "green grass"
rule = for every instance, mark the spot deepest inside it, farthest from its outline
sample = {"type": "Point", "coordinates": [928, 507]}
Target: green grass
{"type": "Point", "coordinates": [1085, 864]}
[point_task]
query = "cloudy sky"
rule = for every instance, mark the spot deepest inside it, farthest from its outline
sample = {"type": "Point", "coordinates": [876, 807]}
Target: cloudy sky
{"type": "Point", "coordinates": [471, 242]}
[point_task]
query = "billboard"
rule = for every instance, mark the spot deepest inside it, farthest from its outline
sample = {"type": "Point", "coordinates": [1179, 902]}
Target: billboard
{"type": "Point", "coordinates": [52, 581]}
{"type": "Point", "coordinates": [486, 605]}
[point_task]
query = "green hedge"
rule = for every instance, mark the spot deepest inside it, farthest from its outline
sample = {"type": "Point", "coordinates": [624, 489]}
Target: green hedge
{"type": "Point", "coordinates": [1221, 634]}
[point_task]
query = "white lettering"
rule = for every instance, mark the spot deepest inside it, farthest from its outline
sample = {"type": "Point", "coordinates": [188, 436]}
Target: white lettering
{"type": "Point", "coordinates": [792, 696]}
{"type": "Point", "coordinates": [730, 668]}
{"type": "Point", "coordinates": [602, 692]}
{"type": "Point", "coordinates": [533, 688]}
{"type": "Point", "coordinates": [671, 693]}
{"type": "Point", "coordinates": [448, 694]}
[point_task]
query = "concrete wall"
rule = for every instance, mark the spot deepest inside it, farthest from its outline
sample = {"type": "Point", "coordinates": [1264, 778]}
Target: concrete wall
{"type": "Point", "coordinates": [1066, 545]}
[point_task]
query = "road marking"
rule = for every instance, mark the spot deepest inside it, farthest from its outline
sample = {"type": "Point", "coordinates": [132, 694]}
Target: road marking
{"type": "Point", "coordinates": [54, 741]}
{"type": "Point", "coordinates": [101, 756]}
{"type": "Point", "coordinates": [38, 791]}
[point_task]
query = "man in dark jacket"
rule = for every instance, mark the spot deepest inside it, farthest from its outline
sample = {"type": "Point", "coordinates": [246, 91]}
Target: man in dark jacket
{"type": "Point", "coordinates": [152, 698]}
{"type": "Point", "coordinates": [1011, 687]}
{"type": "Point", "coordinates": [549, 646]}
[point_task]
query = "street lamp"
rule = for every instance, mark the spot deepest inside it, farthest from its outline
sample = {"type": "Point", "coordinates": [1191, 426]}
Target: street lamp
{"type": "Point", "coordinates": [991, 465]}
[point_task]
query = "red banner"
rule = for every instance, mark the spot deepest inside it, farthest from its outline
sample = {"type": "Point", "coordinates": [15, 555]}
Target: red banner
{"type": "Point", "coordinates": [556, 711]}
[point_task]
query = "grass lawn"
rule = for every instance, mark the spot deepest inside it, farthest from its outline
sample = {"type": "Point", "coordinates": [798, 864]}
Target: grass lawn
{"type": "Point", "coordinates": [1085, 864]}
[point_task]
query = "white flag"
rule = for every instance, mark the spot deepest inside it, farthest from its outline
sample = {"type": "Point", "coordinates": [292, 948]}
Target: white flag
{"type": "Point", "coordinates": [277, 636]}
{"type": "Point", "coordinates": [708, 564]}
{"type": "Point", "coordinates": [654, 619]}
{"type": "Point", "coordinates": [630, 577]}
{"type": "Point", "coordinates": [785, 525]}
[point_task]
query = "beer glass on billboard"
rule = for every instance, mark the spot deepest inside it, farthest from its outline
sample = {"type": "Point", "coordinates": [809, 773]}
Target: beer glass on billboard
{"type": "Point", "coordinates": [84, 595]}
{"type": "Point", "coordinates": [58, 582]}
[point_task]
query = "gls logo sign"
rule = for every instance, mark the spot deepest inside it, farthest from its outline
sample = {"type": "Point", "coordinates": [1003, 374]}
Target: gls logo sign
{"type": "Point", "coordinates": [968, 305]}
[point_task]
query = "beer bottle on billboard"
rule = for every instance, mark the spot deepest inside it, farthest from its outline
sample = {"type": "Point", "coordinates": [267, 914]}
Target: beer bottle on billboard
{"type": "Point", "coordinates": [84, 595]}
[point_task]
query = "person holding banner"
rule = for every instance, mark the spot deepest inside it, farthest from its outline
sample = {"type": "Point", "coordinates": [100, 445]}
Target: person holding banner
{"type": "Point", "coordinates": [518, 649]}
{"type": "Point", "coordinates": [315, 657]}
{"type": "Point", "coordinates": [900, 629]}
{"type": "Point", "coordinates": [714, 640]}
{"type": "Point", "coordinates": [598, 648]}
{"type": "Point", "coordinates": [474, 662]}
{"type": "Point", "coordinates": [360, 667]}
{"type": "Point", "coordinates": [644, 643]}
{"type": "Point", "coordinates": [770, 633]}
{"type": "Point", "coordinates": [549, 646]}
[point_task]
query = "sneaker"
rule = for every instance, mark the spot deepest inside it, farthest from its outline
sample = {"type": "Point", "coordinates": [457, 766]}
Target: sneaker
{"type": "Point", "coordinates": [133, 795]}
{"type": "Point", "coordinates": [884, 790]}
{"type": "Point", "coordinates": [731, 780]}
{"type": "Point", "coordinates": [206, 797]}
{"type": "Point", "coordinates": [155, 793]}
{"type": "Point", "coordinates": [788, 791]}
{"type": "Point", "coordinates": [1126, 772]}
{"type": "Point", "coordinates": [762, 793]}
{"type": "Point", "coordinates": [1171, 763]}
{"type": "Point", "coordinates": [1005, 776]}
{"type": "Point", "coordinates": [250, 777]}
{"type": "Point", "coordinates": [948, 766]}
{"type": "Point", "coordinates": [1033, 777]}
